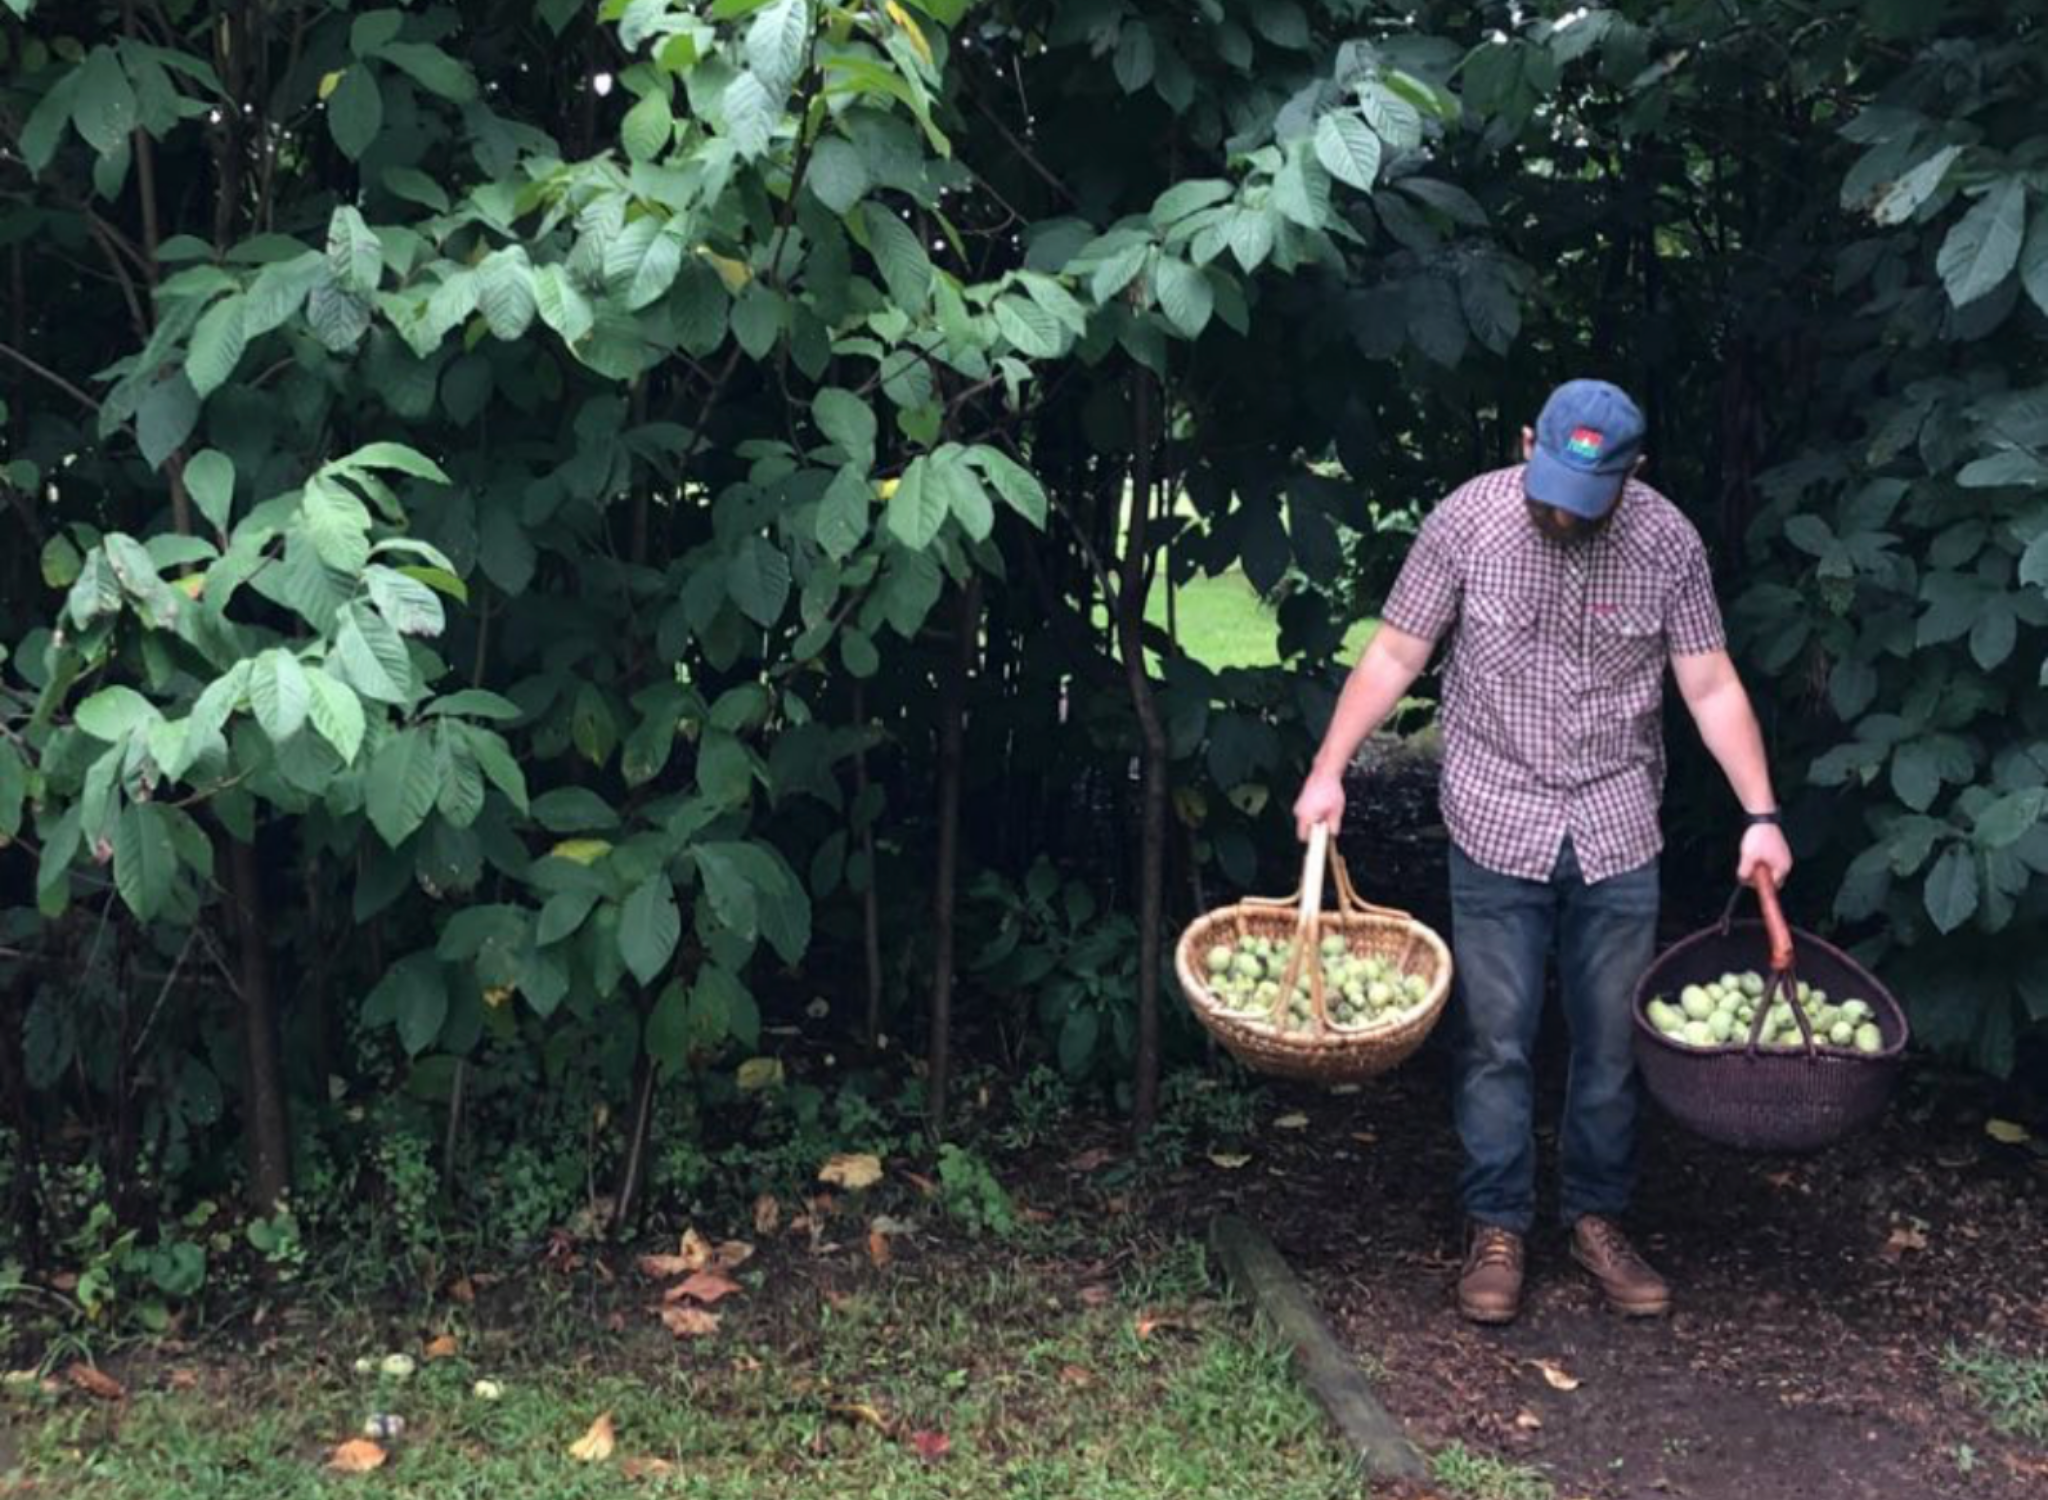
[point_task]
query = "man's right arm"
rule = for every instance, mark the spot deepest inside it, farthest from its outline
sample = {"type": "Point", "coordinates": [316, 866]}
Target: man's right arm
{"type": "Point", "coordinates": [1379, 682]}
{"type": "Point", "coordinates": [1424, 603]}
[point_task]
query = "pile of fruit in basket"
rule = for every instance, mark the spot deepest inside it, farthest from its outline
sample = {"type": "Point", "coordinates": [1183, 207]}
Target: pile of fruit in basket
{"type": "Point", "coordinates": [1360, 991]}
{"type": "Point", "coordinates": [1721, 1014]}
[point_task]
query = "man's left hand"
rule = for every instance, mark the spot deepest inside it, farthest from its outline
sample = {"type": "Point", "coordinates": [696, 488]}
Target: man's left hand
{"type": "Point", "coordinates": [1765, 846]}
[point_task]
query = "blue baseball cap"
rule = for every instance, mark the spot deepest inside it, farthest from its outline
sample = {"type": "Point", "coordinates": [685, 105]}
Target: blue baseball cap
{"type": "Point", "coordinates": [1587, 443]}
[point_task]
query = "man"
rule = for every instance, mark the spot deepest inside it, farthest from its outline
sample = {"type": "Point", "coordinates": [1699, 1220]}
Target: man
{"type": "Point", "coordinates": [1565, 585]}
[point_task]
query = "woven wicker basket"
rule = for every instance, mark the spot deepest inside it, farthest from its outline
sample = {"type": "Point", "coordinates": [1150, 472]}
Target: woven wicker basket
{"type": "Point", "coordinates": [1749, 1098]}
{"type": "Point", "coordinates": [1324, 1052]}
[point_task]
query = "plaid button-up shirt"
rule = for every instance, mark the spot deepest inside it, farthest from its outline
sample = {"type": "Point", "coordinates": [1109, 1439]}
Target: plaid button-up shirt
{"type": "Point", "coordinates": [1553, 695]}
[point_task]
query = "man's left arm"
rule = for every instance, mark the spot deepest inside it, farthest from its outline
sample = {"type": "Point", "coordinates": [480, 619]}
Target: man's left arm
{"type": "Point", "coordinates": [1713, 691]}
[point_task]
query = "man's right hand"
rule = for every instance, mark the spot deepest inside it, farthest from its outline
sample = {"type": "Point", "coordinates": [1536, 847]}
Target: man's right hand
{"type": "Point", "coordinates": [1321, 801]}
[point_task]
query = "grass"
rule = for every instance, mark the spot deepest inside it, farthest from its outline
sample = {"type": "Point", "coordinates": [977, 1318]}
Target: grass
{"type": "Point", "coordinates": [1038, 1393]}
{"type": "Point", "coordinates": [1481, 1476]}
{"type": "Point", "coordinates": [1224, 623]}
{"type": "Point", "coordinates": [2011, 1389]}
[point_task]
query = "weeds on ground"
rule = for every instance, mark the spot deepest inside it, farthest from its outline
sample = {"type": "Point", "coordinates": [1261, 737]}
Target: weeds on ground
{"type": "Point", "coordinates": [2011, 1389]}
{"type": "Point", "coordinates": [1482, 1476]}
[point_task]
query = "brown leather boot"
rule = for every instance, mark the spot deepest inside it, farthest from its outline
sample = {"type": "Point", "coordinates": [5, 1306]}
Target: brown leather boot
{"type": "Point", "coordinates": [1632, 1287]}
{"type": "Point", "coordinates": [1490, 1286]}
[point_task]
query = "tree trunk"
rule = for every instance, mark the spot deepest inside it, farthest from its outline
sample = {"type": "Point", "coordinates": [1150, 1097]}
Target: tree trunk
{"type": "Point", "coordinates": [952, 740]}
{"type": "Point", "coordinates": [1130, 620]}
{"type": "Point", "coordinates": [870, 897]}
{"type": "Point", "coordinates": [263, 1098]}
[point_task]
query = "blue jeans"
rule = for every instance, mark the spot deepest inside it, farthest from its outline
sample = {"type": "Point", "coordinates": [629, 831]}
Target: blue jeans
{"type": "Point", "coordinates": [1503, 929]}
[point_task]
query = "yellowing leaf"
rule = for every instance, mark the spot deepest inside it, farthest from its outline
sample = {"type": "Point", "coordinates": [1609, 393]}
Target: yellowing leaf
{"type": "Point", "coordinates": [863, 1412]}
{"type": "Point", "coordinates": [497, 995]}
{"type": "Point", "coordinates": [1556, 1376]}
{"type": "Point", "coordinates": [734, 273]}
{"type": "Point", "coordinates": [852, 1171]}
{"type": "Point", "coordinates": [767, 1214]}
{"type": "Point", "coordinates": [2006, 1132]}
{"type": "Point", "coordinates": [595, 1446]}
{"type": "Point", "coordinates": [192, 585]}
{"type": "Point", "coordinates": [911, 30]}
{"type": "Point", "coordinates": [357, 1456]}
{"type": "Point", "coordinates": [758, 1073]}
{"type": "Point", "coordinates": [1295, 1121]}
{"type": "Point", "coordinates": [330, 82]}
{"type": "Point", "coordinates": [581, 851]}
{"type": "Point", "coordinates": [1229, 1161]}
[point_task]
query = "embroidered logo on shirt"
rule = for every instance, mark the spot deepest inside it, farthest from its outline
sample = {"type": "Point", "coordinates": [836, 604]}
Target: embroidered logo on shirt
{"type": "Point", "coordinates": [1586, 443]}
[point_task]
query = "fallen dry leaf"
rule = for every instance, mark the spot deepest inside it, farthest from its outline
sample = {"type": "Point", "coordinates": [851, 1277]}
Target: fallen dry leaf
{"type": "Point", "coordinates": [1902, 1239]}
{"type": "Point", "coordinates": [689, 1322]}
{"type": "Point", "coordinates": [707, 1287]}
{"type": "Point", "coordinates": [1096, 1295]}
{"type": "Point", "coordinates": [1782, 1179]}
{"type": "Point", "coordinates": [182, 1380]}
{"type": "Point", "coordinates": [661, 1267]}
{"type": "Point", "coordinates": [878, 1247]}
{"type": "Point", "coordinates": [1556, 1376]}
{"type": "Point", "coordinates": [462, 1290]}
{"type": "Point", "coordinates": [1229, 1161]}
{"type": "Point", "coordinates": [851, 1170]}
{"type": "Point", "coordinates": [595, 1446]}
{"type": "Point", "coordinates": [931, 1446]}
{"type": "Point", "coordinates": [1075, 1375]}
{"type": "Point", "coordinates": [767, 1214]}
{"type": "Point", "coordinates": [731, 1254]}
{"type": "Point", "coordinates": [696, 1250]}
{"type": "Point", "coordinates": [1365, 1137]}
{"type": "Point", "coordinates": [1147, 1324]}
{"type": "Point", "coordinates": [82, 1376]}
{"type": "Point", "coordinates": [1527, 1420]}
{"type": "Point", "coordinates": [2006, 1132]}
{"type": "Point", "coordinates": [637, 1469]}
{"type": "Point", "coordinates": [1094, 1159]}
{"type": "Point", "coordinates": [357, 1456]}
{"type": "Point", "coordinates": [864, 1413]}
{"type": "Point", "coordinates": [440, 1348]}
{"type": "Point", "coordinates": [1295, 1121]}
{"type": "Point", "coordinates": [923, 1184]}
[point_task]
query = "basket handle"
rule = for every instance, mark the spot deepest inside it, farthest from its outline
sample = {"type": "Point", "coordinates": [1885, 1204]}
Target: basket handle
{"type": "Point", "coordinates": [1784, 980]}
{"type": "Point", "coordinates": [1308, 933]}
{"type": "Point", "coordinates": [1350, 901]}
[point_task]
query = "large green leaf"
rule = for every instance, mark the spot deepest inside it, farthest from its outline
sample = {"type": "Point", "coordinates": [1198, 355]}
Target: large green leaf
{"type": "Point", "coordinates": [750, 114]}
{"type": "Point", "coordinates": [166, 418]}
{"type": "Point", "coordinates": [412, 997]}
{"type": "Point", "coordinates": [574, 809]}
{"type": "Point", "coordinates": [848, 421]}
{"type": "Point", "coordinates": [1951, 890]}
{"type": "Point", "coordinates": [918, 508]}
{"type": "Point", "coordinates": [13, 789]}
{"type": "Point", "coordinates": [433, 69]}
{"type": "Point", "coordinates": [113, 712]}
{"type": "Point", "coordinates": [354, 257]}
{"type": "Point", "coordinates": [1982, 249]}
{"type": "Point", "coordinates": [145, 859]}
{"type": "Point", "coordinates": [337, 714]}
{"type": "Point", "coordinates": [402, 784]}
{"type": "Point", "coordinates": [217, 345]}
{"type": "Point", "coordinates": [337, 524]}
{"type": "Point", "coordinates": [104, 109]}
{"type": "Point", "coordinates": [758, 580]}
{"type": "Point", "coordinates": [372, 657]}
{"type": "Point", "coordinates": [505, 293]}
{"type": "Point", "coordinates": [776, 43]}
{"type": "Point", "coordinates": [355, 111]}
{"type": "Point", "coordinates": [1018, 486]}
{"type": "Point", "coordinates": [1185, 295]}
{"type": "Point", "coordinates": [280, 694]}
{"type": "Point", "coordinates": [836, 174]}
{"type": "Point", "coordinates": [649, 125]}
{"type": "Point", "coordinates": [1346, 145]}
{"type": "Point", "coordinates": [210, 480]}
{"type": "Point", "coordinates": [650, 926]}
{"type": "Point", "coordinates": [905, 265]}
{"type": "Point", "coordinates": [843, 513]}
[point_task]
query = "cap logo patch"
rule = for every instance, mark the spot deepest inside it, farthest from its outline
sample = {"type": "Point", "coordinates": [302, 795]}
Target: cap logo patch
{"type": "Point", "coordinates": [1586, 443]}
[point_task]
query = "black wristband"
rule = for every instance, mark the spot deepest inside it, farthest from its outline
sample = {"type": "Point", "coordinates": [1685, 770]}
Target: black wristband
{"type": "Point", "coordinates": [1764, 818]}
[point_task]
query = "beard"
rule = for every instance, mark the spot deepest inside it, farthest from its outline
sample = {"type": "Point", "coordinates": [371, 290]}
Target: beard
{"type": "Point", "coordinates": [1562, 527]}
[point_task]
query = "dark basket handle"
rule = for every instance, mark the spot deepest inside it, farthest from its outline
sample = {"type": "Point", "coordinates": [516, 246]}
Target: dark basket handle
{"type": "Point", "coordinates": [1784, 980]}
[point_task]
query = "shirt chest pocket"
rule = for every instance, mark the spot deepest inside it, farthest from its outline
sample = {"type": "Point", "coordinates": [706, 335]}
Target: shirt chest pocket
{"type": "Point", "coordinates": [1498, 634]}
{"type": "Point", "coordinates": [1622, 644]}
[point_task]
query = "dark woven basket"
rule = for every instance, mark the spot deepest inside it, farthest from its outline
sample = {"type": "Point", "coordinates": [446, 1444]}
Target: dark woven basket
{"type": "Point", "coordinates": [1756, 1100]}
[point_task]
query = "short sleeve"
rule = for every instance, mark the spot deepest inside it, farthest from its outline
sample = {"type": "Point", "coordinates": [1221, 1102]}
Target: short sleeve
{"type": "Point", "coordinates": [1692, 618]}
{"type": "Point", "coordinates": [1424, 600]}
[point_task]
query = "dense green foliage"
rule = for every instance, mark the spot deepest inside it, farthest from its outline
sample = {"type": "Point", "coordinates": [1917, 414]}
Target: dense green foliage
{"type": "Point", "coordinates": [518, 506]}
